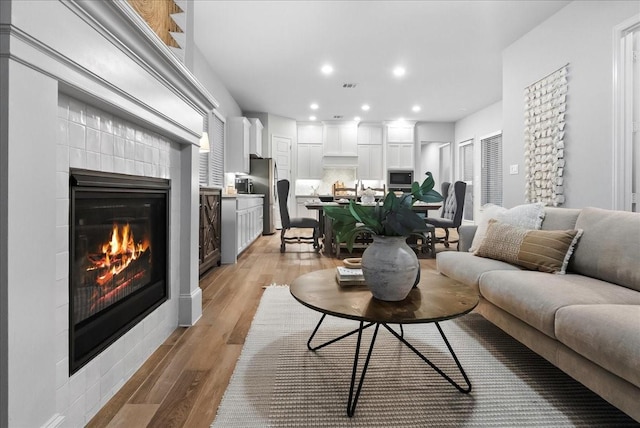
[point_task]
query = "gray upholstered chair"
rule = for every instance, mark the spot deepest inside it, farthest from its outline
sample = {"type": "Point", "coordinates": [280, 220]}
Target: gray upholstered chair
{"type": "Point", "coordinates": [298, 222]}
{"type": "Point", "coordinates": [451, 212]}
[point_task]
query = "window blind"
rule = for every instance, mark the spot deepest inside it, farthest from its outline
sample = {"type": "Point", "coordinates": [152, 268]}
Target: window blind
{"type": "Point", "coordinates": [466, 162]}
{"type": "Point", "coordinates": [216, 174]}
{"type": "Point", "coordinates": [491, 170]}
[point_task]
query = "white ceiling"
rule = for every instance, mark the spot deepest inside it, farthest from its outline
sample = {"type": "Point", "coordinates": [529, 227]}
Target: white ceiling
{"type": "Point", "coordinates": [268, 54]}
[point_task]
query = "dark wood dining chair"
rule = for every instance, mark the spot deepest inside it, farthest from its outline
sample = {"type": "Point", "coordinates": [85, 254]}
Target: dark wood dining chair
{"type": "Point", "coordinates": [451, 212]}
{"type": "Point", "coordinates": [296, 222]}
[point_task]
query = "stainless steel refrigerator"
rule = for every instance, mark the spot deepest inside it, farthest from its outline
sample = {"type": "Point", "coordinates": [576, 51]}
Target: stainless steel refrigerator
{"type": "Point", "coordinates": [265, 176]}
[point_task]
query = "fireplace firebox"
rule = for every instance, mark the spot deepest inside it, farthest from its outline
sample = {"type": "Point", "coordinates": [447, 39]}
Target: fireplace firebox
{"type": "Point", "coordinates": [118, 257]}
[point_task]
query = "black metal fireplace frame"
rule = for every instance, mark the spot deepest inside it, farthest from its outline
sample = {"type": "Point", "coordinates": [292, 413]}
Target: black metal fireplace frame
{"type": "Point", "coordinates": [97, 332]}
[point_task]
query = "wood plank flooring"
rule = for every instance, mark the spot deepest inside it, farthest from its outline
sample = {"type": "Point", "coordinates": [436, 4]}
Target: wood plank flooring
{"type": "Point", "coordinates": [183, 381]}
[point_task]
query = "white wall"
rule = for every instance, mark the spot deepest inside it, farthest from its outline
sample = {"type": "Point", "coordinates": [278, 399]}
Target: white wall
{"type": "Point", "coordinates": [579, 34]}
{"type": "Point", "coordinates": [475, 127]}
{"type": "Point", "coordinates": [435, 131]}
{"type": "Point", "coordinates": [205, 74]}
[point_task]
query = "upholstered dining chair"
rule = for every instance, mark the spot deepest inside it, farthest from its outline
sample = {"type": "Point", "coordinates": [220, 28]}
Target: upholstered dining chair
{"type": "Point", "coordinates": [297, 222]}
{"type": "Point", "coordinates": [451, 211]}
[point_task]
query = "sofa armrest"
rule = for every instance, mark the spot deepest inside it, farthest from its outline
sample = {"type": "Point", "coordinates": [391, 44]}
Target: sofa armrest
{"type": "Point", "coordinates": [466, 233]}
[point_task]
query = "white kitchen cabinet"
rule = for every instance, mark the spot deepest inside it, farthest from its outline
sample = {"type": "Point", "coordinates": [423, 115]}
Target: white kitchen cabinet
{"type": "Point", "coordinates": [237, 145]}
{"type": "Point", "coordinates": [301, 208]}
{"type": "Point", "coordinates": [370, 162]}
{"type": "Point", "coordinates": [241, 224]}
{"type": "Point", "coordinates": [400, 155]}
{"type": "Point", "coordinates": [400, 134]}
{"type": "Point", "coordinates": [340, 139]}
{"type": "Point", "coordinates": [310, 161]}
{"type": "Point", "coordinates": [255, 137]}
{"type": "Point", "coordinates": [369, 134]}
{"type": "Point", "coordinates": [310, 134]}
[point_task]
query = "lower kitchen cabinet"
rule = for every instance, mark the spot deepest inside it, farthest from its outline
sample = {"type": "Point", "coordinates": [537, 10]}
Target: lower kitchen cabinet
{"type": "Point", "coordinates": [210, 241]}
{"type": "Point", "coordinates": [241, 224]}
{"type": "Point", "coordinates": [301, 208]}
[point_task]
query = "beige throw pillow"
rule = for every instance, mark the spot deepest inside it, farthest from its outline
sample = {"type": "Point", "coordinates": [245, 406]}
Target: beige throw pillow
{"type": "Point", "coordinates": [527, 216]}
{"type": "Point", "coordinates": [542, 250]}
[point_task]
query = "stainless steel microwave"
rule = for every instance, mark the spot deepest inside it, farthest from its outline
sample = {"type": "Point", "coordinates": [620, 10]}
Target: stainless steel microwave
{"type": "Point", "coordinates": [244, 185]}
{"type": "Point", "coordinates": [399, 179]}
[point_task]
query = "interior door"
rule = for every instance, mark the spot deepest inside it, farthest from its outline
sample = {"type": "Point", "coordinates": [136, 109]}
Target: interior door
{"type": "Point", "coordinates": [281, 149]}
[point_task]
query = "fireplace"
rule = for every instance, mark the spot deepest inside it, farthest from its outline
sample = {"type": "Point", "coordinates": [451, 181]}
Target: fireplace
{"type": "Point", "coordinates": [118, 257]}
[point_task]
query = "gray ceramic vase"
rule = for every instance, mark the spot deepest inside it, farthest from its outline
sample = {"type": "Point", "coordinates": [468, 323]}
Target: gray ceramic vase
{"type": "Point", "coordinates": [390, 267]}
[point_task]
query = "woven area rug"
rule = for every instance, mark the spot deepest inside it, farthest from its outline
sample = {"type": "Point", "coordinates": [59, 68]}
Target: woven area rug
{"type": "Point", "coordinates": [277, 382]}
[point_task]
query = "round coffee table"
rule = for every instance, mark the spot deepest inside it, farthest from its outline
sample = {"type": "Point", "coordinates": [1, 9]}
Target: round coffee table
{"type": "Point", "coordinates": [436, 298]}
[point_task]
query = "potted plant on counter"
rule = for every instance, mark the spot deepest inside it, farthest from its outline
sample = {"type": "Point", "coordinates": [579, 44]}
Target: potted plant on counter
{"type": "Point", "coordinates": [389, 265]}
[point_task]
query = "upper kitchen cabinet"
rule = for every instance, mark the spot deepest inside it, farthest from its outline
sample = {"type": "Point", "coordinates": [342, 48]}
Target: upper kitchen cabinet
{"type": "Point", "coordinates": [400, 133]}
{"type": "Point", "coordinates": [238, 143]}
{"type": "Point", "coordinates": [400, 156]}
{"type": "Point", "coordinates": [340, 139]}
{"type": "Point", "coordinates": [309, 161]}
{"type": "Point", "coordinates": [309, 151]}
{"type": "Point", "coordinates": [370, 152]}
{"type": "Point", "coordinates": [370, 162]}
{"type": "Point", "coordinates": [309, 134]}
{"type": "Point", "coordinates": [369, 134]}
{"type": "Point", "coordinates": [255, 137]}
{"type": "Point", "coordinates": [400, 145]}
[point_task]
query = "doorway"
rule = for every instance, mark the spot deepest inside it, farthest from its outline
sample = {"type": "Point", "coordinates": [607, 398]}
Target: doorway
{"type": "Point", "coordinates": [437, 158]}
{"type": "Point", "coordinates": [626, 158]}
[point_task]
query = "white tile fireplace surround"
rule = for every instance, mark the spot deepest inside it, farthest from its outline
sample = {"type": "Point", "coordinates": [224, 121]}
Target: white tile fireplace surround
{"type": "Point", "coordinates": [84, 84]}
{"type": "Point", "coordinates": [91, 139]}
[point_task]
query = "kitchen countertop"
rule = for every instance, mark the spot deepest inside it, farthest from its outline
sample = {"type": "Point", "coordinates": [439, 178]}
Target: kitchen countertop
{"type": "Point", "coordinates": [244, 195]}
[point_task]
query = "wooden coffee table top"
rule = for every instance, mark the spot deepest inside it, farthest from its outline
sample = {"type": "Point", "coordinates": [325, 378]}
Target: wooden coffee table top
{"type": "Point", "coordinates": [437, 298]}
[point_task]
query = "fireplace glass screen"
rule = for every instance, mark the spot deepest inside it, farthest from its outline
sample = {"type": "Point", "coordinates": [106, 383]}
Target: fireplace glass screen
{"type": "Point", "coordinates": [118, 262]}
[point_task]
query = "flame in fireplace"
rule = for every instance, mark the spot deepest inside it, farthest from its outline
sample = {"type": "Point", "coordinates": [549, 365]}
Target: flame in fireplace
{"type": "Point", "coordinates": [116, 254]}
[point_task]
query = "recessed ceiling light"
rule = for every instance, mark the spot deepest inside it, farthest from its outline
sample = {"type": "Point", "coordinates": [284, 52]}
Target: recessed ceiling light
{"type": "Point", "coordinates": [357, 118]}
{"type": "Point", "coordinates": [399, 71]}
{"type": "Point", "coordinates": [312, 118]}
{"type": "Point", "coordinates": [416, 108]}
{"type": "Point", "coordinates": [365, 107]}
{"type": "Point", "coordinates": [314, 106]}
{"type": "Point", "coordinates": [327, 69]}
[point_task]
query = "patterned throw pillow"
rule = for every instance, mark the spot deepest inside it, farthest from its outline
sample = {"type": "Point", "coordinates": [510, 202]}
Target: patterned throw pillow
{"type": "Point", "coordinates": [542, 250]}
{"type": "Point", "coordinates": [527, 216]}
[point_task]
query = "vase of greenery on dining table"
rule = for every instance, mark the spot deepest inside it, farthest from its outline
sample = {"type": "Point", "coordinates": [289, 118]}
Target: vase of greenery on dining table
{"type": "Point", "coordinates": [390, 267]}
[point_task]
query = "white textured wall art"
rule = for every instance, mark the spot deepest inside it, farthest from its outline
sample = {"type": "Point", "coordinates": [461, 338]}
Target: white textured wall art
{"type": "Point", "coordinates": [545, 106]}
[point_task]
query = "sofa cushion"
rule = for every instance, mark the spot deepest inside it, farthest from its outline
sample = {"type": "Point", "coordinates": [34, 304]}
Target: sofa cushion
{"type": "Point", "coordinates": [534, 297]}
{"type": "Point", "coordinates": [560, 218]}
{"type": "Point", "coordinates": [611, 340]}
{"type": "Point", "coordinates": [542, 250]}
{"type": "Point", "coordinates": [528, 216]}
{"type": "Point", "coordinates": [467, 268]}
{"type": "Point", "coordinates": [609, 248]}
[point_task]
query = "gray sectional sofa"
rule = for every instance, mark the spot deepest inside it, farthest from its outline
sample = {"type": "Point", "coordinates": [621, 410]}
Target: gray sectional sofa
{"type": "Point", "coordinates": [586, 322]}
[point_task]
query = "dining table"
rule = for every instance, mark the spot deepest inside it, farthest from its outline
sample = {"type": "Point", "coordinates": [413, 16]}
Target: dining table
{"type": "Point", "coordinates": [326, 229]}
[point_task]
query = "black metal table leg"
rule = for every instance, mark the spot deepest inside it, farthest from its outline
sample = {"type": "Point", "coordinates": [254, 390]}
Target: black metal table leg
{"type": "Point", "coordinates": [353, 399]}
{"type": "Point", "coordinates": [310, 348]}
{"type": "Point", "coordinates": [355, 394]}
{"type": "Point", "coordinates": [433, 366]}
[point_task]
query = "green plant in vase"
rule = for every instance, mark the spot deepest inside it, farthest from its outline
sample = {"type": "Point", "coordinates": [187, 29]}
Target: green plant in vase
{"type": "Point", "coordinates": [390, 267]}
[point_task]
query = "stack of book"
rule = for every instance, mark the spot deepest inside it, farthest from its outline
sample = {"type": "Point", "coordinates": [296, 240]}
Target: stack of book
{"type": "Point", "coordinates": [347, 277]}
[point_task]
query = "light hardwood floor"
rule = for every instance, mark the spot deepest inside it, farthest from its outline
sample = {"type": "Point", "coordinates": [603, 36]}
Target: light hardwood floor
{"type": "Point", "coordinates": [183, 381]}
